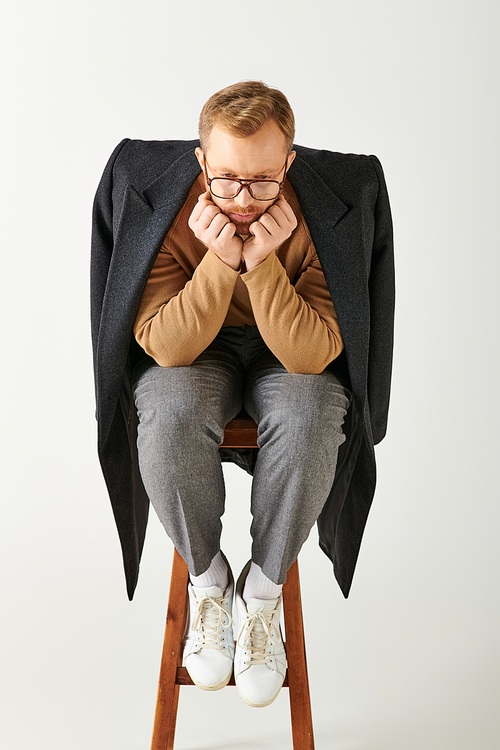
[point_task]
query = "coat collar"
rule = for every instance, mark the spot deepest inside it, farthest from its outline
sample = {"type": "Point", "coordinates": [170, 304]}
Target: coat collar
{"type": "Point", "coordinates": [317, 201]}
{"type": "Point", "coordinates": [172, 185]}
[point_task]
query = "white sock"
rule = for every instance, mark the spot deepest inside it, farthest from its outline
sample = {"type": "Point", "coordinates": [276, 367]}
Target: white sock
{"type": "Point", "coordinates": [215, 575]}
{"type": "Point", "coordinates": [259, 586]}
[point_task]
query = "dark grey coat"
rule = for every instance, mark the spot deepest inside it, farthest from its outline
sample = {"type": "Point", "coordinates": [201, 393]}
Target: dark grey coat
{"type": "Point", "coordinates": [345, 204]}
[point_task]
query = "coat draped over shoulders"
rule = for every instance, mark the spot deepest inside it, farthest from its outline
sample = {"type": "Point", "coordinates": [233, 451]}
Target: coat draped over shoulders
{"type": "Point", "coordinates": [345, 204]}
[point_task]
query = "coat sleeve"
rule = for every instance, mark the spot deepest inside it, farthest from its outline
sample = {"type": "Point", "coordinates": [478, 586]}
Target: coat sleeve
{"type": "Point", "coordinates": [102, 243]}
{"type": "Point", "coordinates": [382, 299]}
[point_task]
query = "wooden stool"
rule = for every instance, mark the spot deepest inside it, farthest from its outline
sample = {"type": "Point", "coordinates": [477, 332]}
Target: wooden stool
{"type": "Point", "coordinates": [239, 433]}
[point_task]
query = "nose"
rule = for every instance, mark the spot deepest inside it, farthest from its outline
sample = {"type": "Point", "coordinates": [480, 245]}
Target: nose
{"type": "Point", "coordinates": [243, 198]}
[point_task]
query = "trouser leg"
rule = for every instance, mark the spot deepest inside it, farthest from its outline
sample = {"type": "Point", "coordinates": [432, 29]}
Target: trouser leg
{"type": "Point", "coordinates": [182, 414]}
{"type": "Point", "coordinates": [299, 421]}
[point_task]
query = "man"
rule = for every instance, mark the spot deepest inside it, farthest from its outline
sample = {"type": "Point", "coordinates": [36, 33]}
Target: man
{"type": "Point", "coordinates": [241, 273]}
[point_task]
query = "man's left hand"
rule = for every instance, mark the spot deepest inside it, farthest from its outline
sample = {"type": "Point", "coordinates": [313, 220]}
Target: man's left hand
{"type": "Point", "coordinates": [268, 233]}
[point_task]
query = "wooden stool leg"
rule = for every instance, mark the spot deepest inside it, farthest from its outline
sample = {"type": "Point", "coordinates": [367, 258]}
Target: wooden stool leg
{"type": "Point", "coordinates": [168, 690]}
{"type": "Point", "coordinates": [298, 682]}
{"type": "Point", "coordinates": [171, 660]}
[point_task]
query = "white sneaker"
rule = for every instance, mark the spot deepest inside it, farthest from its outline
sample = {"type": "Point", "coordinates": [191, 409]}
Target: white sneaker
{"type": "Point", "coordinates": [209, 644]}
{"type": "Point", "coordinates": [260, 660]}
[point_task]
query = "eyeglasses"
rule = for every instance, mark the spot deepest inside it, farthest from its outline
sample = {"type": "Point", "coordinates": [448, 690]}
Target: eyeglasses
{"type": "Point", "coordinates": [229, 187]}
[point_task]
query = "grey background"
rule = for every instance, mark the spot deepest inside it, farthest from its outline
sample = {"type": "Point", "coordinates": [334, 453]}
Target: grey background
{"type": "Point", "coordinates": [415, 654]}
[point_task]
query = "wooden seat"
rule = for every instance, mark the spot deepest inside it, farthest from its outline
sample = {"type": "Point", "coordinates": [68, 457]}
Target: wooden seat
{"type": "Point", "coordinates": [239, 433]}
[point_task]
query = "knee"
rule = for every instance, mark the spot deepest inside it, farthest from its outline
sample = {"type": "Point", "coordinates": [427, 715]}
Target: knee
{"type": "Point", "coordinates": [314, 415]}
{"type": "Point", "coordinates": [180, 414]}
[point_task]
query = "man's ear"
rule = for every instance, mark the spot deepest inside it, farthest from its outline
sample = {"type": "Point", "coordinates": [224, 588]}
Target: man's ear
{"type": "Point", "coordinates": [200, 156]}
{"type": "Point", "coordinates": [291, 157]}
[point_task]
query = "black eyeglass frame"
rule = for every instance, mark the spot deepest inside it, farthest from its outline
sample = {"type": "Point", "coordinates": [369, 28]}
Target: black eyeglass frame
{"type": "Point", "coordinates": [243, 183]}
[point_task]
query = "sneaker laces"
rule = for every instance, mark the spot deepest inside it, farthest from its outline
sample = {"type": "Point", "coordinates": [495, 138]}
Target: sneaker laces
{"type": "Point", "coordinates": [209, 621]}
{"type": "Point", "coordinates": [257, 635]}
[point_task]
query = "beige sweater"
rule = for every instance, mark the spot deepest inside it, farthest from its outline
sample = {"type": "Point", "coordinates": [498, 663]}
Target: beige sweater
{"type": "Point", "coordinates": [191, 294]}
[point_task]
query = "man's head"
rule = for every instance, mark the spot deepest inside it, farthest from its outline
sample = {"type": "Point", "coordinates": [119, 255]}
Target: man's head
{"type": "Point", "coordinates": [246, 131]}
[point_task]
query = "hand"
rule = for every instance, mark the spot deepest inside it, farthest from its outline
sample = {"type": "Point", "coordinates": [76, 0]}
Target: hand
{"type": "Point", "coordinates": [214, 229]}
{"type": "Point", "coordinates": [268, 233]}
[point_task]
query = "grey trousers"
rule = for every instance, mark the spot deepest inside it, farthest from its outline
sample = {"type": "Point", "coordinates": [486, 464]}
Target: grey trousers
{"type": "Point", "coordinates": [182, 414]}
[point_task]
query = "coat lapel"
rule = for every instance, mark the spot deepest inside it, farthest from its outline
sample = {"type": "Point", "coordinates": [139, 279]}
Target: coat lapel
{"type": "Point", "coordinates": [146, 219]}
{"type": "Point", "coordinates": [340, 248]}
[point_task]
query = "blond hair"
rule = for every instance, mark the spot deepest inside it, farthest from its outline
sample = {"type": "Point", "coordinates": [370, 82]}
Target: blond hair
{"type": "Point", "coordinates": [241, 109]}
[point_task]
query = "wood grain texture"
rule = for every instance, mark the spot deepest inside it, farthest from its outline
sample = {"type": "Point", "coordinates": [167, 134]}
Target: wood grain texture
{"type": "Point", "coordinates": [168, 688]}
{"type": "Point", "coordinates": [240, 433]}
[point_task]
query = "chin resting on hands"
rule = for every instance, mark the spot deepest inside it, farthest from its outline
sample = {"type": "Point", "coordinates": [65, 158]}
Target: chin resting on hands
{"type": "Point", "coordinates": [214, 229]}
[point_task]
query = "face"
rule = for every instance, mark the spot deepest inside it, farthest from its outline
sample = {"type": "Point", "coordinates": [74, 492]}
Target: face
{"type": "Point", "coordinates": [259, 156]}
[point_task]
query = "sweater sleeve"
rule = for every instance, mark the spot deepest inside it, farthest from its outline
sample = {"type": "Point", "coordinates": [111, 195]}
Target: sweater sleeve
{"type": "Point", "coordinates": [180, 316]}
{"type": "Point", "coordinates": [298, 323]}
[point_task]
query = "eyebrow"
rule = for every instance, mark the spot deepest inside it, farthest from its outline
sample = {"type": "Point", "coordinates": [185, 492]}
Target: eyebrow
{"type": "Point", "coordinates": [265, 173]}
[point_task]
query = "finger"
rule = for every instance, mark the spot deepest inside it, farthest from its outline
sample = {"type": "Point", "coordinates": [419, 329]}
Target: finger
{"type": "Point", "coordinates": [206, 196]}
{"type": "Point", "coordinates": [227, 231]}
{"type": "Point", "coordinates": [201, 205]}
{"type": "Point", "coordinates": [208, 215]}
{"type": "Point", "coordinates": [286, 210]}
{"type": "Point", "coordinates": [218, 222]}
{"type": "Point", "coordinates": [277, 213]}
{"type": "Point", "coordinates": [269, 223]}
{"type": "Point", "coordinates": [259, 231]}
{"type": "Point", "coordinates": [213, 232]}
{"type": "Point", "coordinates": [197, 211]}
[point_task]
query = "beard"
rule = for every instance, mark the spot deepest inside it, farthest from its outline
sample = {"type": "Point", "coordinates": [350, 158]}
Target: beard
{"type": "Point", "coordinates": [242, 227]}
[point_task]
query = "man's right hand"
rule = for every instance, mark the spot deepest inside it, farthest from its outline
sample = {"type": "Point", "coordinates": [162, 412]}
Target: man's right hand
{"type": "Point", "coordinates": [215, 230]}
